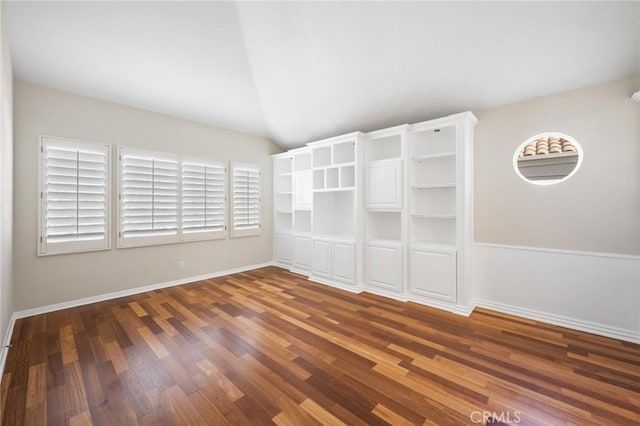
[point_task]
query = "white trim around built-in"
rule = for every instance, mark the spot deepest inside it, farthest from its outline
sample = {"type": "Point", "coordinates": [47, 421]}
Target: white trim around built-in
{"type": "Point", "coordinates": [108, 296]}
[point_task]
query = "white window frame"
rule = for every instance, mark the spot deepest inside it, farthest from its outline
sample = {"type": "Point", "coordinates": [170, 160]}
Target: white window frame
{"type": "Point", "coordinates": [151, 240]}
{"type": "Point", "coordinates": [48, 249]}
{"type": "Point", "coordinates": [204, 235]}
{"type": "Point", "coordinates": [244, 232]}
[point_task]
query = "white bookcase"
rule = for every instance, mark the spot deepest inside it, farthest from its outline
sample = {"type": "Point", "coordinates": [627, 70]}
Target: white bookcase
{"type": "Point", "coordinates": [440, 208]}
{"type": "Point", "coordinates": [283, 208]}
{"type": "Point", "coordinates": [337, 204]}
{"type": "Point", "coordinates": [385, 218]}
{"type": "Point", "coordinates": [389, 211]}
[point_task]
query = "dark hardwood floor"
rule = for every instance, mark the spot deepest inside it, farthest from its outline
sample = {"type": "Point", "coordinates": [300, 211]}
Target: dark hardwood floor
{"type": "Point", "coordinates": [268, 347]}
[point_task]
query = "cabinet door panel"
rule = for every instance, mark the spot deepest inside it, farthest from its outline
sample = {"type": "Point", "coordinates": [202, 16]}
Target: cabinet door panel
{"type": "Point", "coordinates": [384, 184]}
{"type": "Point", "coordinates": [283, 248]}
{"type": "Point", "coordinates": [322, 258]}
{"type": "Point", "coordinates": [302, 249]}
{"type": "Point", "coordinates": [383, 267]}
{"type": "Point", "coordinates": [433, 274]}
{"type": "Point", "coordinates": [303, 194]}
{"type": "Point", "coordinates": [343, 262]}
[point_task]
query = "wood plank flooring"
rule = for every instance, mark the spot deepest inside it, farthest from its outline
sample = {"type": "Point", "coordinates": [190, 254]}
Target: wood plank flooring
{"type": "Point", "coordinates": [269, 347]}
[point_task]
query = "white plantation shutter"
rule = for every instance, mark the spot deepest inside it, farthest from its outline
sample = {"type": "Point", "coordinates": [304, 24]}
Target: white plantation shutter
{"type": "Point", "coordinates": [204, 200]}
{"type": "Point", "coordinates": [149, 188]}
{"type": "Point", "coordinates": [245, 199]}
{"type": "Point", "coordinates": [74, 196]}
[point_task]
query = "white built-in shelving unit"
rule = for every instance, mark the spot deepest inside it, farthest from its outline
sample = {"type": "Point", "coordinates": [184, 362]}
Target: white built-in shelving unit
{"type": "Point", "coordinates": [336, 200]}
{"type": "Point", "coordinates": [389, 211]}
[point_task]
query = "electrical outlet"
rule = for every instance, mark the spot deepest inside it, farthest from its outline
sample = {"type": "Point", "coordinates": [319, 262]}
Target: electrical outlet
{"type": "Point", "coordinates": [181, 264]}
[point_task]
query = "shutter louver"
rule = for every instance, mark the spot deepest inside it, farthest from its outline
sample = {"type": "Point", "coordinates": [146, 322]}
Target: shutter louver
{"type": "Point", "coordinates": [75, 196]}
{"type": "Point", "coordinates": [148, 196]}
{"type": "Point", "coordinates": [203, 198]}
{"type": "Point", "coordinates": [246, 200]}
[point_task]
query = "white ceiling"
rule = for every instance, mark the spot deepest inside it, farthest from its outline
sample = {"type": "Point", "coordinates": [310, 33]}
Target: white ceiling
{"type": "Point", "coordinates": [296, 72]}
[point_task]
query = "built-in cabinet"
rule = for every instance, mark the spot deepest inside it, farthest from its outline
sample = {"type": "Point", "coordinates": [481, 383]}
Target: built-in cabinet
{"type": "Point", "coordinates": [387, 212]}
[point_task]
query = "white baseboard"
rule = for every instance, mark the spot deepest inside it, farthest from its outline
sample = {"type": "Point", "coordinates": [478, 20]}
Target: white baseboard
{"type": "Point", "coordinates": [330, 283]}
{"type": "Point", "coordinates": [137, 290]}
{"type": "Point", "coordinates": [594, 292]}
{"type": "Point", "coordinates": [6, 343]}
{"type": "Point", "coordinates": [572, 323]}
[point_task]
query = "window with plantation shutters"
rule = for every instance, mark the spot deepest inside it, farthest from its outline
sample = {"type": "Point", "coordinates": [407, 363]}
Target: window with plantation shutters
{"type": "Point", "coordinates": [245, 200]}
{"type": "Point", "coordinates": [148, 198]}
{"type": "Point", "coordinates": [74, 196]}
{"type": "Point", "coordinates": [204, 200]}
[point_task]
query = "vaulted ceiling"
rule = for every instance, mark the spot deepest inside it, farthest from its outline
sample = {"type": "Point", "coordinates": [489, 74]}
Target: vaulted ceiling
{"type": "Point", "coordinates": [296, 72]}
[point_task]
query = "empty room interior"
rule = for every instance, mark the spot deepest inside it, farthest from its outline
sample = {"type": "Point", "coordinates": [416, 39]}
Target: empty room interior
{"type": "Point", "coordinates": [303, 213]}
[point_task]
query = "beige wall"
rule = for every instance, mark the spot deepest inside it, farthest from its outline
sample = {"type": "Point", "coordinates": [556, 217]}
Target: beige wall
{"type": "Point", "coordinates": [6, 181]}
{"type": "Point", "coordinates": [598, 209]}
{"type": "Point", "coordinates": [46, 280]}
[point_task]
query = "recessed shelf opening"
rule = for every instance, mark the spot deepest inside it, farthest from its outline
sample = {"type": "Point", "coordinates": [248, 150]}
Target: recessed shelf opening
{"type": "Point", "coordinates": [384, 148]}
{"type": "Point", "coordinates": [283, 222]}
{"type": "Point", "coordinates": [433, 141]}
{"type": "Point", "coordinates": [302, 162]}
{"type": "Point", "coordinates": [344, 153]}
{"type": "Point", "coordinates": [433, 230]}
{"type": "Point", "coordinates": [282, 165]}
{"type": "Point", "coordinates": [302, 221]}
{"type": "Point", "coordinates": [384, 226]}
{"type": "Point", "coordinates": [334, 213]}
{"type": "Point", "coordinates": [332, 178]}
{"type": "Point", "coordinates": [322, 156]}
{"type": "Point", "coordinates": [347, 176]}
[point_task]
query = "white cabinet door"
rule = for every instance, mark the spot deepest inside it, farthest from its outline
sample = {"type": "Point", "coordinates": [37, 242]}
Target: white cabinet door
{"type": "Point", "coordinates": [384, 184]}
{"type": "Point", "coordinates": [283, 248]}
{"type": "Point", "coordinates": [302, 252]}
{"type": "Point", "coordinates": [383, 267]}
{"type": "Point", "coordinates": [302, 191]}
{"type": "Point", "coordinates": [343, 262]}
{"type": "Point", "coordinates": [432, 274]}
{"type": "Point", "coordinates": [322, 258]}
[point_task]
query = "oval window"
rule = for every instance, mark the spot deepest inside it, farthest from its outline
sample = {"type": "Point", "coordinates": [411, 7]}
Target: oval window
{"type": "Point", "coordinates": [547, 158]}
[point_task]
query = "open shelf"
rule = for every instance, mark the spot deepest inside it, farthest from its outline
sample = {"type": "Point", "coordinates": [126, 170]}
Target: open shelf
{"type": "Point", "coordinates": [283, 184]}
{"type": "Point", "coordinates": [284, 202]}
{"type": "Point", "coordinates": [434, 186]}
{"type": "Point", "coordinates": [441, 172]}
{"type": "Point", "coordinates": [438, 155]}
{"type": "Point", "coordinates": [436, 202]}
{"type": "Point", "coordinates": [283, 222]}
{"type": "Point", "coordinates": [434, 215]}
{"type": "Point", "coordinates": [282, 166]}
{"type": "Point", "coordinates": [332, 178]}
{"type": "Point", "coordinates": [347, 176]}
{"type": "Point", "coordinates": [384, 226]}
{"type": "Point", "coordinates": [335, 178]}
{"type": "Point", "coordinates": [334, 213]}
{"type": "Point", "coordinates": [384, 148]}
{"type": "Point", "coordinates": [302, 161]}
{"type": "Point", "coordinates": [302, 221]}
{"type": "Point", "coordinates": [344, 152]}
{"type": "Point", "coordinates": [433, 229]}
{"type": "Point", "coordinates": [433, 143]}
{"type": "Point", "coordinates": [322, 156]}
